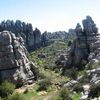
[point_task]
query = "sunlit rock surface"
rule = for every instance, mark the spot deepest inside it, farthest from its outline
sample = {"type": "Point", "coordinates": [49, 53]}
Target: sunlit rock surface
{"type": "Point", "coordinates": [14, 64]}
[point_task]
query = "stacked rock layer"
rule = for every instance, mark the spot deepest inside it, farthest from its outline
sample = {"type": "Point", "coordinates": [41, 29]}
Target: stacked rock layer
{"type": "Point", "coordinates": [14, 64]}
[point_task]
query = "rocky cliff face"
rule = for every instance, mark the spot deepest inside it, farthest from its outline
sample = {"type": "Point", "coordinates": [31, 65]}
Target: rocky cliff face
{"type": "Point", "coordinates": [82, 46]}
{"type": "Point", "coordinates": [14, 64]}
{"type": "Point", "coordinates": [34, 40]}
{"type": "Point", "coordinates": [31, 37]}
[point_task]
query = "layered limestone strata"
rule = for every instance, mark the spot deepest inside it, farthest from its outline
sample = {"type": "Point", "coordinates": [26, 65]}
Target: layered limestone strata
{"type": "Point", "coordinates": [14, 64]}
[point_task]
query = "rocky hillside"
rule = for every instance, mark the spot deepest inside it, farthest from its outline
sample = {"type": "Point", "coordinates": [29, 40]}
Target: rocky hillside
{"type": "Point", "coordinates": [33, 39]}
{"type": "Point", "coordinates": [81, 60]}
{"type": "Point", "coordinates": [86, 42]}
{"type": "Point", "coordinates": [68, 63]}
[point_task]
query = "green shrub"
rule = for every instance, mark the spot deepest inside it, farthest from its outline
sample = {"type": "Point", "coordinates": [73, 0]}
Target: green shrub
{"type": "Point", "coordinates": [26, 91]}
{"type": "Point", "coordinates": [6, 89]}
{"type": "Point", "coordinates": [16, 96]}
{"type": "Point", "coordinates": [78, 88]}
{"type": "Point", "coordinates": [74, 75]}
{"type": "Point", "coordinates": [76, 96]}
{"type": "Point", "coordinates": [42, 76]}
{"type": "Point", "coordinates": [20, 82]}
{"type": "Point", "coordinates": [65, 94]}
{"type": "Point", "coordinates": [58, 98]}
{"type": "Point", "coordinates": [85, 77]}
{"type": "Point", "coordinates": [94, 91]}
{"type": "Point", "coordinates": [44, 84]}
{"type": "Point", "coordinates": [71, 73]}
{"type": "Point", "coordinates": [56, 70]}
{"type": "Point", "coordinates": [69, 43]}
{"type": "Point", "coordinates": [85, 74]}
{"type": "Point", "coordinates": [95, 65]}
{"type": "Point", "coordinates": [0, 98]}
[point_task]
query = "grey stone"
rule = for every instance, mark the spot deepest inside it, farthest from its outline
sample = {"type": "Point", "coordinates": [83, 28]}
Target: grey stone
{"type": "Point", "coordinates": [14, 63]}
{"type": "Point", "coordinates": [78, 29]}
{"type": "Point", "coordinates": [71, 83]}
{"type": "Point", "coordinates": [84, 44]}
{"type": "Point", "coordinates": [89, 26]}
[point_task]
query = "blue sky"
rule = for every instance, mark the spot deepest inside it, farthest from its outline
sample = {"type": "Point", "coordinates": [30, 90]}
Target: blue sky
{"type": "Point", "coordinates": [50, 15]}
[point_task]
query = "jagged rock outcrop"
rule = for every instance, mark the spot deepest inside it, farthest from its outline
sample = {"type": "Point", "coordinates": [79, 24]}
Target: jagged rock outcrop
{"type": "Point", "coordinates": [37, 38]}
{"type": "Point", "coordinates": [33, 38]}
{"type": "Point", "coordinates": [71, 35]}
{"type": "Point", "coordinates": [84, 53]}
{"type": "Point", "coordinates": [89, 26]}
{"type": "Point", "coordinates": [82, 46]}
{"type": "Point", "coordinates": [14, 64]}
{"type": "Point", "coordinates": [48, 37]}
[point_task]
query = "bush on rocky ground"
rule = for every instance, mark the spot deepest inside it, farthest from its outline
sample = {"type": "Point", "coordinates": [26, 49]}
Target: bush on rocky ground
{"type": "Point", "coordinates": [16, 96]}
{"type": "Point", "coordinates": [65, 94]}
{"type": "Point", "coordinates": [94, 91]}
{"type": "Point", "coordinates": [26, 91]}
{"type": "Point", "coordinates": [69, 43]}
{"type": "Point", "coordinates": [72, 73]}
{"type": "Point", "coordinates": [44, 84]}
{"type": "Point", "coordinates": [78, 88]}
{"type": "Point", "coordinates": [20, 82]}
{"type": "Point", "coordinates": [6, 89]}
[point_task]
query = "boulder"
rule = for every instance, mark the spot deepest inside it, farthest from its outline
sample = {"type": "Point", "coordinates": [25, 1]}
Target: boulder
{"type": "Point", "coordinates": [86, 89]}
{"type": "Point", "coordinates": [71, 83]}
{"type": "Point", "coordinates": [84, 97]}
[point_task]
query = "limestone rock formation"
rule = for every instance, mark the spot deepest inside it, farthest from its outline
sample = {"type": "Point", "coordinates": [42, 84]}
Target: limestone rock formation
{"type": "Point", "coordinates": [83, 45]}
{"type": "Point", "coordinates": [33, 39]}
{"type": "Point", "coordinates": [84, 52]}
{"type": "Point", "coordinates": [85, 38]}
{"type": "Point", "coordinates": [14, 64]}
{"type": "Point", "coordinates": [25, 30]}
{"type": "Point", "coordinates": [89, 26]}
{"type": "Point", "coordinates": [37, 38]}
{"type": "Point", "coordinates": [71, 34]}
